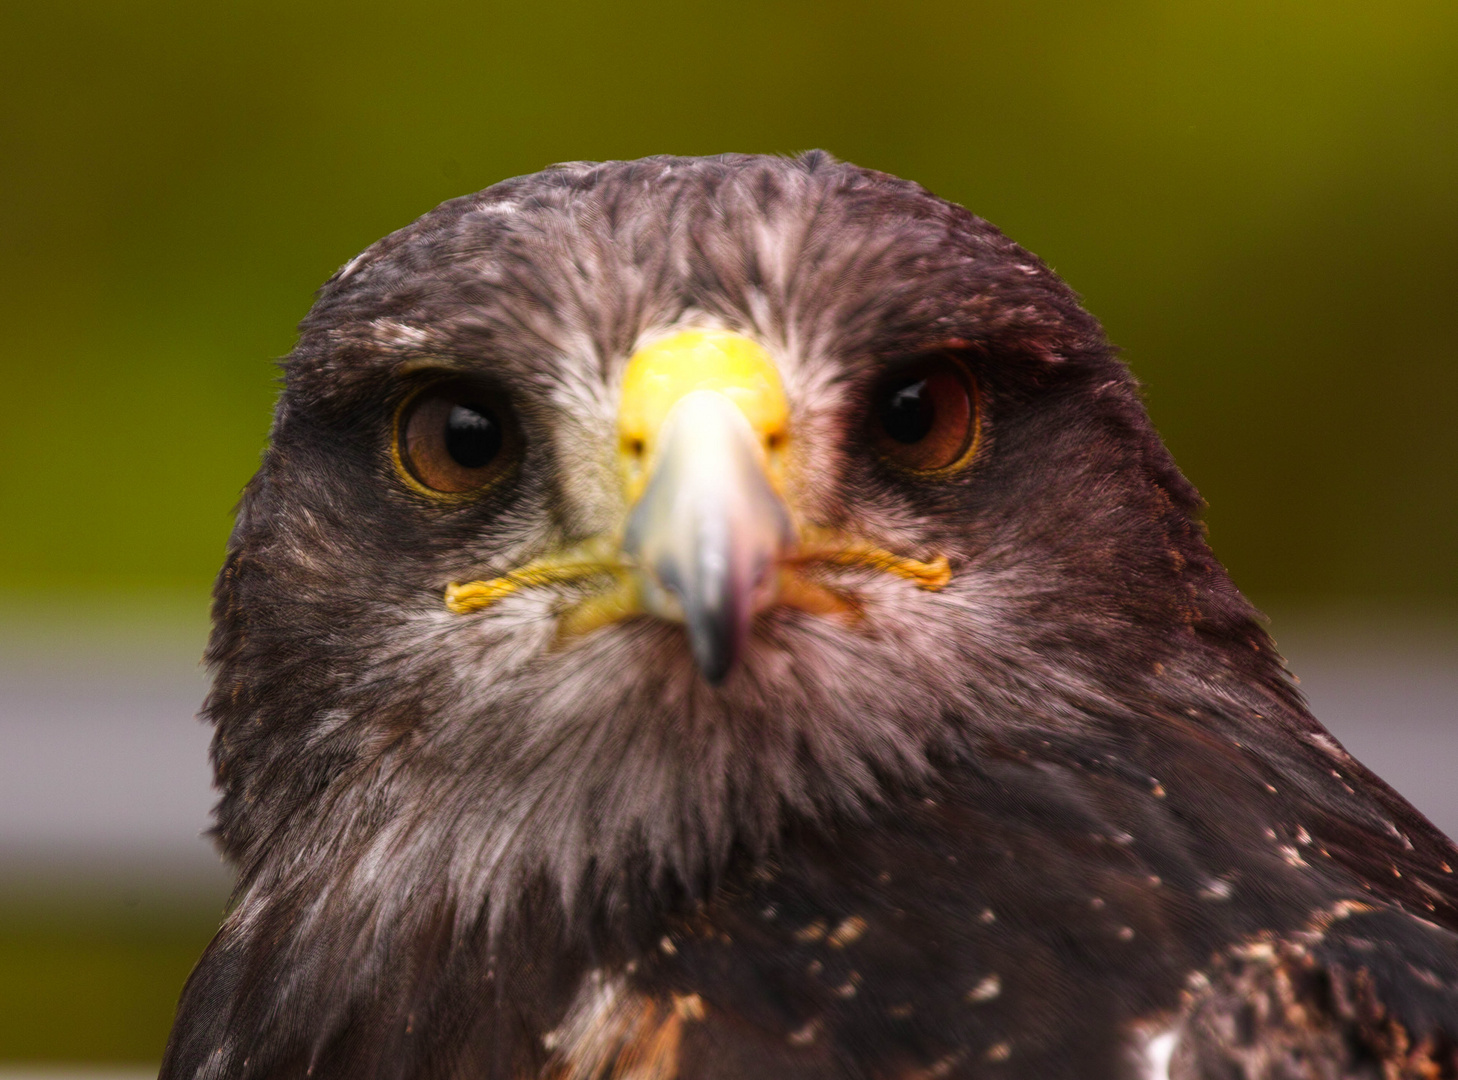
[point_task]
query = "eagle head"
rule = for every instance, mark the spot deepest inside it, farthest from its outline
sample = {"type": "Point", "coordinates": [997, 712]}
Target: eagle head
{"type": "Point", "coordinates": [615, 514]}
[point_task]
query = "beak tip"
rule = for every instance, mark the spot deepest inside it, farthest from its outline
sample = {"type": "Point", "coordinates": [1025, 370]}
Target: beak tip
{"type": "Point", "coordinates": [715, 646]}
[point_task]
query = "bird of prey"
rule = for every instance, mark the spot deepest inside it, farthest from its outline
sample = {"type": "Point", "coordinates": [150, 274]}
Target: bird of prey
{"type": "Point", "coordinates": [733, 618]}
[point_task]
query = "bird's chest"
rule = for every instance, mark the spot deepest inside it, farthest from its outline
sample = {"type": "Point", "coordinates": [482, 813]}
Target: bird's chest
{"type": "Point", "coordinates": [926, 951]}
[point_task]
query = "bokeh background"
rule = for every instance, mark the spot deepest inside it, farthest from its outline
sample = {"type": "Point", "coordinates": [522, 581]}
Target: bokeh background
{"type": "Point", "coordinates": [1260, 200]}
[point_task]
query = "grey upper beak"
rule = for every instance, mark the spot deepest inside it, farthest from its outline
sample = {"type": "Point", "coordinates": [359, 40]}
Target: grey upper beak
{"type": "Point", "coordinates": [709, 531]}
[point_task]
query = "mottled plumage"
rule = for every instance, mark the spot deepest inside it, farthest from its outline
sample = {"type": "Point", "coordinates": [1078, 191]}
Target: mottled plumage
{"type": "Point", "coordinates": [1065, 816]}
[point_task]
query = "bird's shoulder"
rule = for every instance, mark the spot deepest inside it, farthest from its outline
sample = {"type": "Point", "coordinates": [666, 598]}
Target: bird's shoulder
{"type": "Point", "coordinates": [1067, 908]}
{"type": "Point", "coordinates": [1364, 991]}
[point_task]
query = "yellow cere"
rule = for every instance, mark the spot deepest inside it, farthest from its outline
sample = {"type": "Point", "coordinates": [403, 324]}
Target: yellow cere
{"type": "Point", "coordinates": [661, 373]}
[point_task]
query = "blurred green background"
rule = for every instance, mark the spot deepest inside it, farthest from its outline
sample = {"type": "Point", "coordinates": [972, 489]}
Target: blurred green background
{"type": "Point", "coordinates": [1260, 200]}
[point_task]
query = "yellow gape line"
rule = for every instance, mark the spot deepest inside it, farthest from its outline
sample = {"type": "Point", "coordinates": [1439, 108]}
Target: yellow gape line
{"type": "Point", "coordinates": [931, 576]}
{"type": "Point", "coordinates": [584, 561]}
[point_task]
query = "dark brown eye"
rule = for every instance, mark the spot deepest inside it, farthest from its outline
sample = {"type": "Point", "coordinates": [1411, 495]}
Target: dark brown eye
{"type": "Point", "coordinates": [453, 438]}
{"type": "Point", "coordinates": [924, 416]}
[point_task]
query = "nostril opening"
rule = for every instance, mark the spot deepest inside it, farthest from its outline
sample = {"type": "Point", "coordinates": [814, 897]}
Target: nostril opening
{"type": "Point", "coordinates": [636, 447]}
{"type": "Point", "coordinates": [774, 440]}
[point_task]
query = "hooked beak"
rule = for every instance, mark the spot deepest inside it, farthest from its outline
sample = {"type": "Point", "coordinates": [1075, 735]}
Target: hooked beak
{"type": "Point", "coordinates": [709, 532]}
{"type": "Point", "coordinates": [702, 415]}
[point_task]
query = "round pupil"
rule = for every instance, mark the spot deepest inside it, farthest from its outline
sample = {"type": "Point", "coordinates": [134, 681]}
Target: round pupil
{"type": "Point", "coordinates": [908, 412]}
{"type": "Point", "coordinates": [472, 436]}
